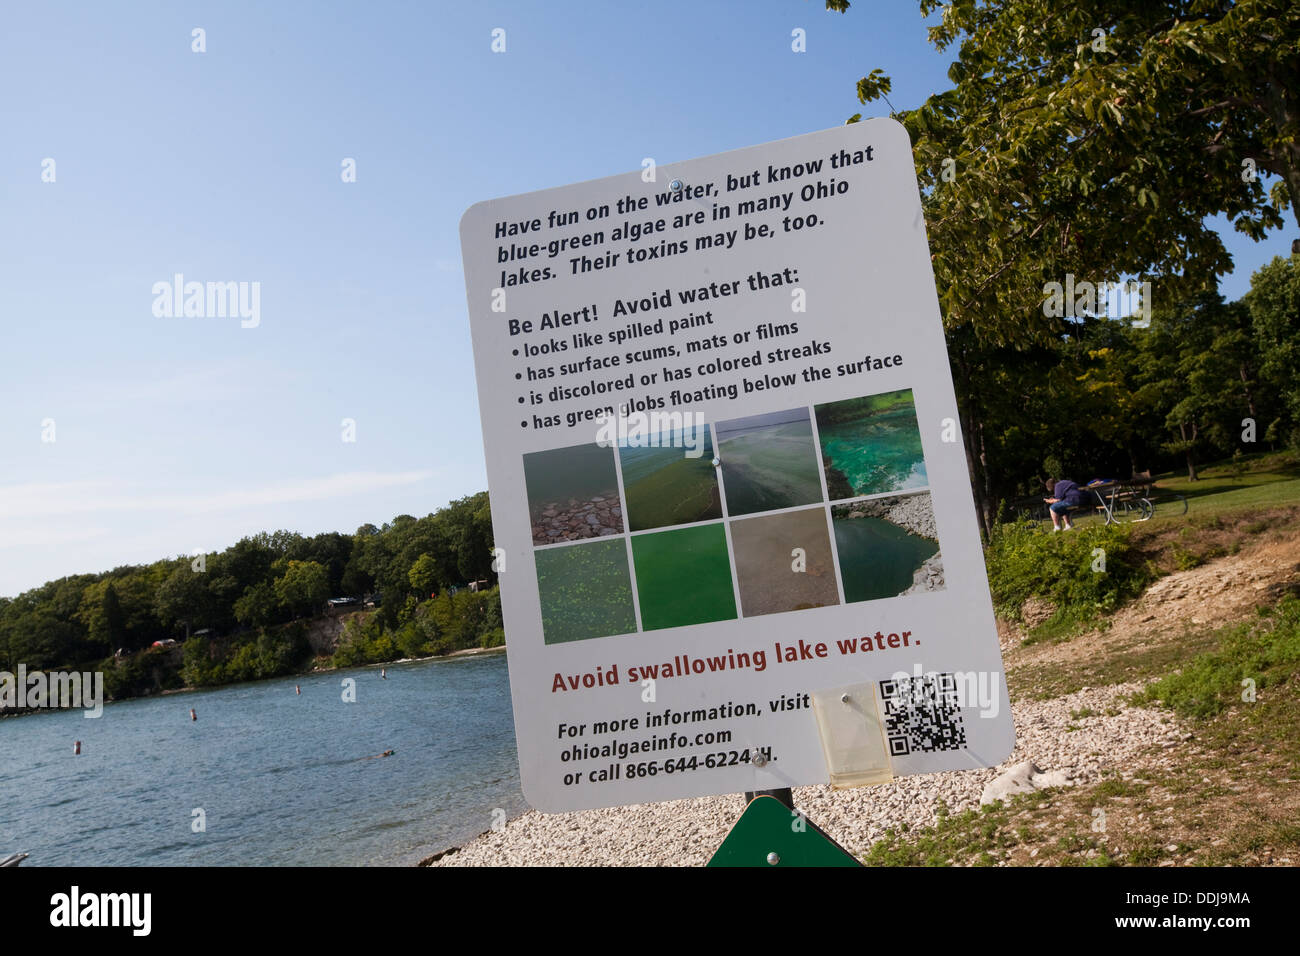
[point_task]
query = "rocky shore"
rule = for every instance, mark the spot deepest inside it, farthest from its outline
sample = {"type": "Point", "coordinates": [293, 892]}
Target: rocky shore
{"type": "Point", "coordinates": [1071, 749]}
{"type": "Point", "coordinates": [911, 512]}
{"type": "Point", "coordinates": [929, 576]}
{"type": "Point", "coordinates": [574, 519]}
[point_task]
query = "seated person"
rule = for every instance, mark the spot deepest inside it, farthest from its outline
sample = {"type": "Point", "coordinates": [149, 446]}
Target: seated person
{"type": "Point", "coordinates": [1065, 495]}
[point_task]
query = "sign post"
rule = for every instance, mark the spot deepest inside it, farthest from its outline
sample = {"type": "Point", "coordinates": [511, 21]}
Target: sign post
{"type": "Point", "coordinates": [727, 479]}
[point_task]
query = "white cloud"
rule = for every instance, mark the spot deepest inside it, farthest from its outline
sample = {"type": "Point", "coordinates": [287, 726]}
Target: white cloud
{"type": "Point", "coordinates": [36, 535]}
{"type": "Point", "coordinates": [46, 500]}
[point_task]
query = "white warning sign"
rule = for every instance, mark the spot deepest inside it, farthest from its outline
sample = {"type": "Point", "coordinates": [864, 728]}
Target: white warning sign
{"type": "Point", "coordinates": [725, 476]}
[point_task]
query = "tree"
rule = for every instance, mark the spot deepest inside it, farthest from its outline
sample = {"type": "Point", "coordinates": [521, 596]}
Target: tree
{"type": "Point", "coordinates": [112, 621]}
{"type": "Point", "coordinates": [424, 576]}
{"type": "Point", "coordinates": [258, 606]}
{"type": "Point", "coordinates": [1195, 362]}
{"type": "Point", "coordinates": [184, 598]}
{"type": "Point", "coordinates": [1093, 141]}
{"type": "Point", "coordinates": [1274, 305]}
{"type": "Point", "coordinates": [303, 588]}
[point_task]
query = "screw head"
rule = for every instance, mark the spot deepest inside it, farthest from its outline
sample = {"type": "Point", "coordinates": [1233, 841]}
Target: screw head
{"type": "Point", "coordinates": [759, 760]}
{"type": "Point", "coordinates": [716, 461]}
{"type": "Point", "coordinates": [676, 185]}
{"type": "Point", "coordinates": [773, 858]}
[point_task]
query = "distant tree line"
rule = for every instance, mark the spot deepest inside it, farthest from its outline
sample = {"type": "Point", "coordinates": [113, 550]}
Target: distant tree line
{"type": "Point", "coordinates": [239, 612]}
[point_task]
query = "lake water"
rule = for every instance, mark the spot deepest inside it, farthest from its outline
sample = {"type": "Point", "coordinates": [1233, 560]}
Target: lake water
{"type": "Point", "coordinates": [877, 558]}
{"type": "Point", "coordinates": [282, 779]}
{"type": "Point", "coordinates": [878, 452]}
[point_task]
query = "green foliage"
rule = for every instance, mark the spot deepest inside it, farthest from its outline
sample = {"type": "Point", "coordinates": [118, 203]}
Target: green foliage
{"type": "Point", "coordinates": [263, 581]}
{"type": "Point", "coordinates": [365, 643]}
{"type": "Point", "coordinates": [975, 837]}
{"type": "Point", "coordinates": [1274, 305]}
{"type": "Point", "coordinates": [449, 622]}
{"type": "Point", "coordinates": [1265, 651]}
{"type": "Point", "coordinates": [424, 575]}
{"type": "Point", "coordinates": [304, 586]}
{"type": "Point", "coordinates": [148, 672]}
{"type": "Point", "coordinates": [249, 657]}
{"type": "Point", "coordinates": [258, 606]}
{"type": "Point", "coordinates": [183, 599]}
{"type": "Point", "coordinates": [1024, 561]}
{"type": "Point", "coordinates": [1060, 152]}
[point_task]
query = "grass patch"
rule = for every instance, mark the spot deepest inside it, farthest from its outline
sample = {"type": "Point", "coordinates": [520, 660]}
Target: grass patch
{"type": "Point", "coordinates": [1250, 657]}
{"type": "Point", "coordinates": [977, 837]}
{"type": "Point", "coordinates": [1137, 661]}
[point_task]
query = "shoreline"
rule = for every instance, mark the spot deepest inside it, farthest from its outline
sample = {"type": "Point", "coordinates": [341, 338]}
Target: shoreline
{"type": "Point", "coordinates": [6, 713]}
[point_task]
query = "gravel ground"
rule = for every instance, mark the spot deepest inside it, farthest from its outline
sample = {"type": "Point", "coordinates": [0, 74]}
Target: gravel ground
{"type": "Point", "coordinates": [686, 832]}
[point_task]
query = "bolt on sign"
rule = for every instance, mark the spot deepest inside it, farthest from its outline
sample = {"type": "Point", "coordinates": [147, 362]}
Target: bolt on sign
{"type": "Point", "coordinates": [723, 454]}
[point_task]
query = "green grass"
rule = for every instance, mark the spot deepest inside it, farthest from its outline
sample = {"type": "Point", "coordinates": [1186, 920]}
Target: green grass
{"type": "Point", "coordinates": [683, 577]}
{"type": "Point", "coordinates": [1262, 481]}
{"type": "Point", "coordinates": [1263, 652]}
{"type": "Point", "coordinates": [976, 837]}
{"type": "Point", "coordinates": [585, 591]}
{"type": "Point", "coordinates": [1258, 481]}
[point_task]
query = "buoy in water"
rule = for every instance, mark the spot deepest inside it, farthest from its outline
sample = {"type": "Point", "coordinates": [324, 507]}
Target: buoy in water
{"type": "Point", "coordinates": [193, 716]}
{"type": "Point", "coordinates": [77, 749]}
{"type": "Point", "coordinates": [297, 689]}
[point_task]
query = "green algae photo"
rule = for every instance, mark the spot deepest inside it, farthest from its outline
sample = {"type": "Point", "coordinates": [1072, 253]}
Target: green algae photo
{"type": "Point", "coordinates": [769, 462]}
{"type": "Point", "coordinates": [585, 591]}
{"type": "Point", "coordinates": [784, 562]}
{"type": "Point", "coordinates": [572, 494]}
{"type": "Point", "coordinates": [683, 577]}
{"type": "Point", "coordinates": [871, 445]}
{"type": "Point", "coordinates": [887, 547]}
{"type": "Point", "coordinates": [671, 482]}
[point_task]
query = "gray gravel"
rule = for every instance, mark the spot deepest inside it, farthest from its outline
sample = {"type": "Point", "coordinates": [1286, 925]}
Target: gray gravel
{"type": "Point", "coordinates": [686, 832]}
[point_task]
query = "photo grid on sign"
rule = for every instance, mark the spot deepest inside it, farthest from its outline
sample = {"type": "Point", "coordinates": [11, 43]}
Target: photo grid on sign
{"type": "Point", "coordinates": [784, 511]}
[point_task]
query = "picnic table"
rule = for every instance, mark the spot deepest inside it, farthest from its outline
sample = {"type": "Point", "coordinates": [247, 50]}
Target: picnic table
{"type": "Point", "coordinates": [1118, 502]}
{"type": "Point", "coordinates": [1121, 501]}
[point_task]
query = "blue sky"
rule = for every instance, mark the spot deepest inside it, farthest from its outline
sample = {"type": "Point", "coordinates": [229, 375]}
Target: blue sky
{"type": "Point", "coordinates": [176, 434]}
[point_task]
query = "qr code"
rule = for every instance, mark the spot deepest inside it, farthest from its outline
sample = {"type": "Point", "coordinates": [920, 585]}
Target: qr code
{"type": "Point", "coordinates": [922, 713]}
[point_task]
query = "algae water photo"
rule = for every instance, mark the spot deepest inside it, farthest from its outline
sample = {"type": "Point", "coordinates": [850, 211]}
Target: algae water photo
{"type": "Point", "coordinates": [572, 493]}
{"type": "Point", "coordinates": [585, 590]}
{"type": "Point", "coordinates": [672, 481]}
{"type": "Point", "coordinates": [887, 547]}
{"type": "Point", "coordinates": [871, 445]}
{"type": "Point", "coordinates": [769, 462]}
{"type": "Point", "coordinates": [784, 562]}
{"type": "Point", "coordinates": [683, 577]}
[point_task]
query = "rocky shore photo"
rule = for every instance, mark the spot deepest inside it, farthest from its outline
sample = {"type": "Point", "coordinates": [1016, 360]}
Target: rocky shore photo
{"type": "Point", "coordinates": [887, 547]}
